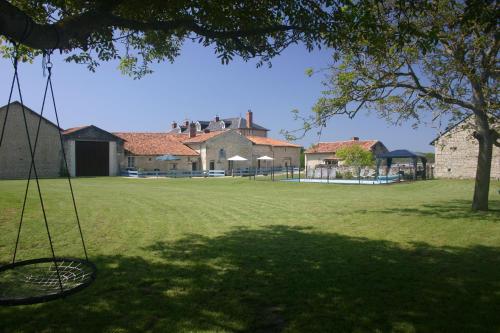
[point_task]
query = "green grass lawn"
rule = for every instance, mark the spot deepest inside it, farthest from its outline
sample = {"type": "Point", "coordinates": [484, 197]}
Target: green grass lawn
{"type": "Point", "coordinates": [233, 255]}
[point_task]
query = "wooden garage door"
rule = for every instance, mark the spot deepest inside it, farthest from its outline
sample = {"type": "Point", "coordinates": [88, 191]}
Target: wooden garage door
{"type": "Point", "coordinates": [92, 158]}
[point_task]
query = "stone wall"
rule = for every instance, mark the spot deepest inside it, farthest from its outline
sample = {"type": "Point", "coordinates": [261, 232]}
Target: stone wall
{"type": "Point", "coordinates": [283, 156]}
{"type": "Point", "coordinates": [149, 163]}
{"type": "Point", "coordinates": [252, 132]}
{"type": "Point", "coordinates": [15, 156]}
{"type": "Point", "coordinates": [312, 160]}
{"type": "Point", "coordinates": [232, 144]}
{"type": "Point", "coordinates": [457, 152]}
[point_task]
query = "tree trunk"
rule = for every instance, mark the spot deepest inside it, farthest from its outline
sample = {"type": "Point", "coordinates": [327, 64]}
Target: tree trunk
{"type": "Point", "coordinates": [483, 171]}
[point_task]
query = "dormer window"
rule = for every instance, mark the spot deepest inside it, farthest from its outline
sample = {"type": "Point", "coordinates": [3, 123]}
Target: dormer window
{"type": "Point", "coordinates": [222, 124]}
{"type": "Point", "coordinates": [198, 126]}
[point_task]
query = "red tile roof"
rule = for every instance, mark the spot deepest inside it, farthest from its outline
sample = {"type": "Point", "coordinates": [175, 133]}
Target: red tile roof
{"type": "Point", "coordinates": [73, 129]}
{"type": "Point", "coordinates": [332, 147]}
{"type": "Point", "coordinates": [147, 144]}
{"type": "Point", "coordinates": [259, 140]}
{"type": "Point", "coordinates": [202, 137]}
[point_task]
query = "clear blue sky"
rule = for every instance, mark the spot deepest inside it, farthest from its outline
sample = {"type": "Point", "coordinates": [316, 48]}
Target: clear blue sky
{"type": "Point", "coordinates": [197, 86]}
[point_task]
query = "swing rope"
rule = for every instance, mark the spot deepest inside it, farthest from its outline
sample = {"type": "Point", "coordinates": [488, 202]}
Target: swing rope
{"type": "Point", "coordinates": [29, 174]}
{"type": "Point", "coordinates": [33, 165]}
{"type": "Point", "coordinates": [49, 82]}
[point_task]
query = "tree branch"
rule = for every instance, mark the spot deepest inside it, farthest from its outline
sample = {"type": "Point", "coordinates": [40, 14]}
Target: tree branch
{"type": "Point", "coordinates": [74, 31]}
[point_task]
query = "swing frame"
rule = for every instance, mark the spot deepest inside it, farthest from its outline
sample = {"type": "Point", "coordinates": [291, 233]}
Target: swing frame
{"type": "Point", "coordinates": [70, 279]}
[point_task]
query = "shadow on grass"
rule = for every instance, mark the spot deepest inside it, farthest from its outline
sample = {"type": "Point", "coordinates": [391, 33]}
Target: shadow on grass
{"type": "Point", "coordinates": [277, 279]}
{"type": "Point", "coordinates": [456, 209]}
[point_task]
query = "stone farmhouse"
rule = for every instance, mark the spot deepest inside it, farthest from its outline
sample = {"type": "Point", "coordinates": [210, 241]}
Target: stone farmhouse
{"type": "Point", "coordinates": [456, 152]}
{"type": "Point", "coordinates": [206, 147]}
{"type": "Point", "coordinates": [324, 153]}
{"type": "Point", "coordinates": [92, 151]}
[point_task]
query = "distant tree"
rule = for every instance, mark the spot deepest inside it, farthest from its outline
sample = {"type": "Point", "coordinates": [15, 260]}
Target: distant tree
{"type": "Point", "coordinates": [355, 156]}
{"type": "Point", "coordinates": [431, 157]}
{"type": "Point", "coordinates": [453, 76]}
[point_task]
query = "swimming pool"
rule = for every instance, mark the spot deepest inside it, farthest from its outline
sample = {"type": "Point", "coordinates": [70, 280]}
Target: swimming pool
{"type": "Point", "coordinates": [345, 181]}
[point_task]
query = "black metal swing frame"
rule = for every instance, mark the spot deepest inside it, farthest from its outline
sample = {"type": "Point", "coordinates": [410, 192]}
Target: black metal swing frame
{"type": "Point", "coordinates": [63, 276]}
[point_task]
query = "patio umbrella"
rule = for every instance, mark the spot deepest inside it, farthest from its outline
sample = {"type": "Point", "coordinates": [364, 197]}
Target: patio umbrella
{"type": "Point", "coordinates": [265, 158]}
{"type": "Point", "coordinates": [168, 158]}
{"type": "Point", "coordinates": [236, 158]}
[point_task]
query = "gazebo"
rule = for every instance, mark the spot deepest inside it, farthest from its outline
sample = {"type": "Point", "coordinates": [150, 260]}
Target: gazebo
{"type": "Point", "coordinates": [403, 153]}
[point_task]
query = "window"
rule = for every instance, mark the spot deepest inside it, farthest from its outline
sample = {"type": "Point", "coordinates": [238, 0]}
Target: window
{"type": "Point", "coordinates": [131, 162]}
{"type": "Point", "coordinates": [212, 165]}
{"type": "Point", "coordinates": [198, 126]}
{"type": "Point", "coordinates": [222, 153]}
{"type": "Point", "coordinates": [173, 166]}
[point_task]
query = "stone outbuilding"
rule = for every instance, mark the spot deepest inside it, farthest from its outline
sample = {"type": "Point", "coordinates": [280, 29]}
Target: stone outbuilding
{"type": "Point", "coordinates": [324, 153]}
{"type": "Point", "coordinates": [456, 152]}
{"type": "Point", "coordinates": [142, 149]}
{"type": "Point", "coordinates": [15, 157]}
{"type": "Point", "coordinates": [90, 151]}
{"type": "Point", "coordinates": [285, 154]}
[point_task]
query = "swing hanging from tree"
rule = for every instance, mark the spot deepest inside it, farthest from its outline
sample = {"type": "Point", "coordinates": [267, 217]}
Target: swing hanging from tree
{"type": "Point", "coordinates": [41, 279]}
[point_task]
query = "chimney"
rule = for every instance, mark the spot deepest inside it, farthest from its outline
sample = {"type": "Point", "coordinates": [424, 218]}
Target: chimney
{"type": "Point", "coordinates": [217, 119]}
{"type": "Point", "coordinates": [249, 119]}
{"type": "Point", "coordinates": [355, 138]}
{"type": "Point", "coordinates": [174, 125]}
{"type": "Point", "coordinates": [192, 130]}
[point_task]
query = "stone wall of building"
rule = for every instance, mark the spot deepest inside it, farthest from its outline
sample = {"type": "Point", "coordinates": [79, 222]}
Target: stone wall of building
{"type": "Point", "coordinates": [221, 147]}
{"type": "Point", "coordinates": [283, 156]}
{"type": "Point", "coordinates": [457, 152]}
{"type": "Point", "coordinates": [252, 132]}
{"type": "Point", "coordinates": [15, 159]}
{"type": "Point", "coordinates": [313, 160]}
{"type": "Point", "coordinates": [149, 163]}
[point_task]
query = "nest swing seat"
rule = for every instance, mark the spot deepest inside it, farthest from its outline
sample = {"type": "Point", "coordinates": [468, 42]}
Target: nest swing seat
{"type": "Point", "coordinates": [41, 279]}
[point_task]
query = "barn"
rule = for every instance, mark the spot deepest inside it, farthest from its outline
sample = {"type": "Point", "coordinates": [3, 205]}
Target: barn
{"type": "Point", "coordinates": [90, 151]}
